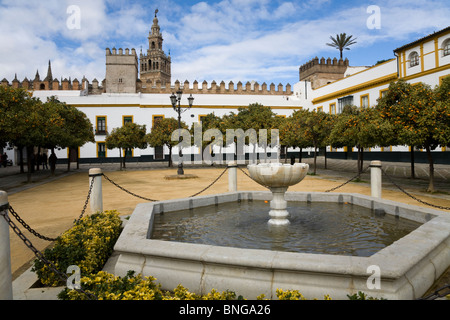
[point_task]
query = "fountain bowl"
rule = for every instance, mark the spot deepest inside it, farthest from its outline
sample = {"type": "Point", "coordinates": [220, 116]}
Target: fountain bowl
{"type": "Point", "coordinates": [277, 175]}
{"type": "Point", "coordinates": [278, 178]}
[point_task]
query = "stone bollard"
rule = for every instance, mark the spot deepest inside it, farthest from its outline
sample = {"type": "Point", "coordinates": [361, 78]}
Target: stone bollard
{"type": "Point", "coordinates": [375, 178]}
{"type": "Point", "coordinates": [232, 176]}
{"type": "Point", "coordinates": [96, 199]}
{"type": "Point", "coordinates": [6, 292]}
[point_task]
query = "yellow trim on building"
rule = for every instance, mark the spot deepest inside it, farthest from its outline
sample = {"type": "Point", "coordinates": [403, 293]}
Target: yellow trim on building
{"type": "Point", "coordinates": [356, 88]}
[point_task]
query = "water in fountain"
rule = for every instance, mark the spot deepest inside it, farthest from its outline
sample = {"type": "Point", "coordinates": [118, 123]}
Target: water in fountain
{"type": "Point", "coordinates": [327, 228]}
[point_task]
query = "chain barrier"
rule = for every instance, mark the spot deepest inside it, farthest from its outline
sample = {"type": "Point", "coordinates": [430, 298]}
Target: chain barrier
{"type": "Point", "coordinates": [439, 293]}
{"type": "Point", "coordinates": [87, 200]}
{"type": "Point", "coordinates": [354, 178]}
{"type": "Point", "coordinates": [26, 226]}
{"type": "Point", "coordinates": [411, 196]}
{"type": "Point", "coordinates": [127, 191]}
{"type": "Point", "coordinates": [39, 254]}
{"type": "Point", "coordinates": [211, 184]}
{"type": "Point", "coordinates": [242, 170]}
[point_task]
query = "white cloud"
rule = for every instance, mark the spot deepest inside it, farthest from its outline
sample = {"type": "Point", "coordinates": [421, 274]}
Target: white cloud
{"type": "Point", "coordinates": [239, 40]}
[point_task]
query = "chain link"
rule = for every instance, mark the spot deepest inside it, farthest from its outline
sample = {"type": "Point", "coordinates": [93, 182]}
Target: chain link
{"type": "Point", "coordinates": [211, 184]}
{"type": "Point", "coordinates": [26, 226]}
{"type": "Point", "coordinates": [127, 191]}
{"type": "Point", "coordinates": [411, 196]}
{"type": "Point", "coordinates": [39, 254]}
{"type": "Point", "coordinates": [87, 200]}
{"type": "Point", "coordinates": [242, 170]}
{"type": "Point", "coordinates": [439, 293]}
{"type": "Point", "coordinates": [354, 178]}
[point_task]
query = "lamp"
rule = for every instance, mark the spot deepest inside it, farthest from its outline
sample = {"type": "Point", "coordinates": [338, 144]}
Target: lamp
{"type": "Point", "coordinates": [176, 104]}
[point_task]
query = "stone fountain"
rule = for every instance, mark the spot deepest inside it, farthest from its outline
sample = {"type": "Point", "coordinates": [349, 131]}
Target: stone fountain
{"type": "Point", "coordinates": [278, 178]}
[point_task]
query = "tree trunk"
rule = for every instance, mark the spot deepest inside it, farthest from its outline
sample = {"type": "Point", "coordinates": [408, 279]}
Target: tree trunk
{"type": "Point", "coordinates": [170, 157]}
{"type": "Point", "coordinates": [21, 159]}
{"type": "Point", "coordinates": [413, 174]}
{"type": "Point", "coordinates": [124, 158]}
{"type": "Point", "coordinates": [120, 158]}
{"type": "Point", "coordinates": [29, 163]}
{"type": "Point", "coordinates": [325, 153]}
{"type": "Point", "coordinates": [38, 159]}
{"type": "Point", "coordinates": [431, 171]}
{"type": "Point", "coordinates": [315, 159]}
{"type": "Point", "coordinates": [360, 160]}
{"type": "Point", "coordinates": [300, 156]}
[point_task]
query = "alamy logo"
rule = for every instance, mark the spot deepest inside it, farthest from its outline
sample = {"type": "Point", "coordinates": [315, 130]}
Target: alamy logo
{"type": "Point", "coordinates": [238, 138]}
{"type": "Point", "coordinates": [374, 281]}
{"type": "Point", "coordinates": [73, 22]}
{"type": "Point", "coordinates": [374, 20]}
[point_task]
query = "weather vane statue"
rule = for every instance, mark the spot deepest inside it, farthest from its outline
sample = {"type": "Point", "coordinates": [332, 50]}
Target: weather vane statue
{"type": "Point", "coordinates": [156, 12]}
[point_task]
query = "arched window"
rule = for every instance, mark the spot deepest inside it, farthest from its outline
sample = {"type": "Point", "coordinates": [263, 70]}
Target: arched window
{"type": "Point", "coordinates": [446, 47]}
{"type": "Point", "coordinates": [413, 59]}
{"type": "Point", "coordinates": [42, 87]}
{"type": "Point", "coordinates": [153, 45]}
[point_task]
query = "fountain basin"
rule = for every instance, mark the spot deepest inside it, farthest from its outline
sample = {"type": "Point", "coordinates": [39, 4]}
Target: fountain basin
{"type": "Point", "coordinates": [408, 267]}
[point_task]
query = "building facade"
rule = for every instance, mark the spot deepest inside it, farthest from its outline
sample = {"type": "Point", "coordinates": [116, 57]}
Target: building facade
{"type": "Point", "coordinates": [138, 88]}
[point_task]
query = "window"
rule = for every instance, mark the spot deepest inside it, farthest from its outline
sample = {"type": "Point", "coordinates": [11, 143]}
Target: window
{"type": "Point", "coordinates": [319, 109]}
{"type": "Point", "coordinates": [446, 47]}
{"type": "Point", "coordinates": [365, 101]}
{"type": "Point", "coordinates": [157, 118]}
{"type": "Point", "coordinates": [346, 101]}
{"type": "Point", "coordinates": [383, 93]}
{"type": "Point", "coordinates": [127, 119]}
{"type": "Point", "coordinates": [333, 108]}
{"type": "Point", "coordinates": [101, 150]}
{"type": "Point", "coordinates": [413, 59]}
{"type": "Point", "coordinates": [101, 126]}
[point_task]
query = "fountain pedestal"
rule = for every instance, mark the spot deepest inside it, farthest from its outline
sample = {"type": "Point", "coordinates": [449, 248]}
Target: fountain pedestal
{"type": "Point", "coordinates": [278, 178]}
{"type": "Point", "coordinates": [278, 213]}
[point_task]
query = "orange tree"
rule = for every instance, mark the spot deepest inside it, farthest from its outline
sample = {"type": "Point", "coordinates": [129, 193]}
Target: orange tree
{"type": "Point", "coordinates": [76, 130]}
{"type": "Point", "coordinates": [292, 131]}
{"type": "Point", "coordinates": [126, 138]}
{"type": "Point", "coordinates": [26, 122]}
{"type": "Point", "coordinates": [361, 128]}
{"type": "Point", "coordinates": [317, 128]}
{"type": "Point", "coordinates": [420, 116]}
{"type": "Point", "coordinates": [161, 135]}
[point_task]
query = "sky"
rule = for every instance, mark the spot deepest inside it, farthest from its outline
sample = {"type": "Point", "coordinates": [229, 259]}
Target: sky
{"type": "Point", "coordinates": [222, 40]}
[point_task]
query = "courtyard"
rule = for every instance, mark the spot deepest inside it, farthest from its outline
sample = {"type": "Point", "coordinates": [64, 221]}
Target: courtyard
{"type": "Point", "coordinates": [50, 204]}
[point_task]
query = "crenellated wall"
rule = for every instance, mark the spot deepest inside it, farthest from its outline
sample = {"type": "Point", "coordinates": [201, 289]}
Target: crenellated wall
{"type": "Point", "coordinates": [321, 72]}
{"type": "Point", "coordinates": [253, 88]}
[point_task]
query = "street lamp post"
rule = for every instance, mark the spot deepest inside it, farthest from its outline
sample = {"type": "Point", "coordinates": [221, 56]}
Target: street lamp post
{"type": "Point", "coordinates": [176, 104]}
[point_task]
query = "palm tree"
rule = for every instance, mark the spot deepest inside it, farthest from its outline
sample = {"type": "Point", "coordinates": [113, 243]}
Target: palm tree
{"type": "Point", "coordinates": [341, 42]}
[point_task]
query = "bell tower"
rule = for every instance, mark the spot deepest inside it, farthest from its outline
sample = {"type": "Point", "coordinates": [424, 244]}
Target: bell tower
{"type": "Point", "coordinates": [155, 66]}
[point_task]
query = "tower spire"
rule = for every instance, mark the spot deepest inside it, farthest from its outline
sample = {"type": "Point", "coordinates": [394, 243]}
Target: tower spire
{"type": "Point", "coordinates": [49, 72]}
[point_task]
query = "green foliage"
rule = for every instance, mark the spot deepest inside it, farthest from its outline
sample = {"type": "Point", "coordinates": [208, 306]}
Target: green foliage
{"type": "Point", "coordinates": [420, 116]}
{"type": "Point", "coordinates": [106, 286]}
{"type": "Point", "coordinates": [87, 245]}
{"type": "Point", "coordinates": [342, 42]}
{"type": "Point", "coordinates": [361, 296]}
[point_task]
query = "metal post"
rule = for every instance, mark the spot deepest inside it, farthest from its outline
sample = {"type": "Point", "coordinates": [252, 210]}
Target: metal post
{"type": "Point", "coordinates": [96, 199]}
{"type": "Point", "coordinates": [232, 176]}
{"type": "Point", "coordinates": [375, 178]}
{"type": "Point", "coordinates": [6, 292]}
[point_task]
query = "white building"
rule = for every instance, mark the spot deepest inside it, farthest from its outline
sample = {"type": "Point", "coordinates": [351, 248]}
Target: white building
{"type": "Point", "coordinates": [425, 60]}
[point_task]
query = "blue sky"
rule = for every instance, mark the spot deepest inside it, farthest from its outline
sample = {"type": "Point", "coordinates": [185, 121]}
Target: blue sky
{"type": "Point", "coordinates": [238, 40]}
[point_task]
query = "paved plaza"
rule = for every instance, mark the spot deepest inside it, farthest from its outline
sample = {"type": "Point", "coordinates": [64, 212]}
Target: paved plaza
{"type": "Point", "coordinates": [50, 204]}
